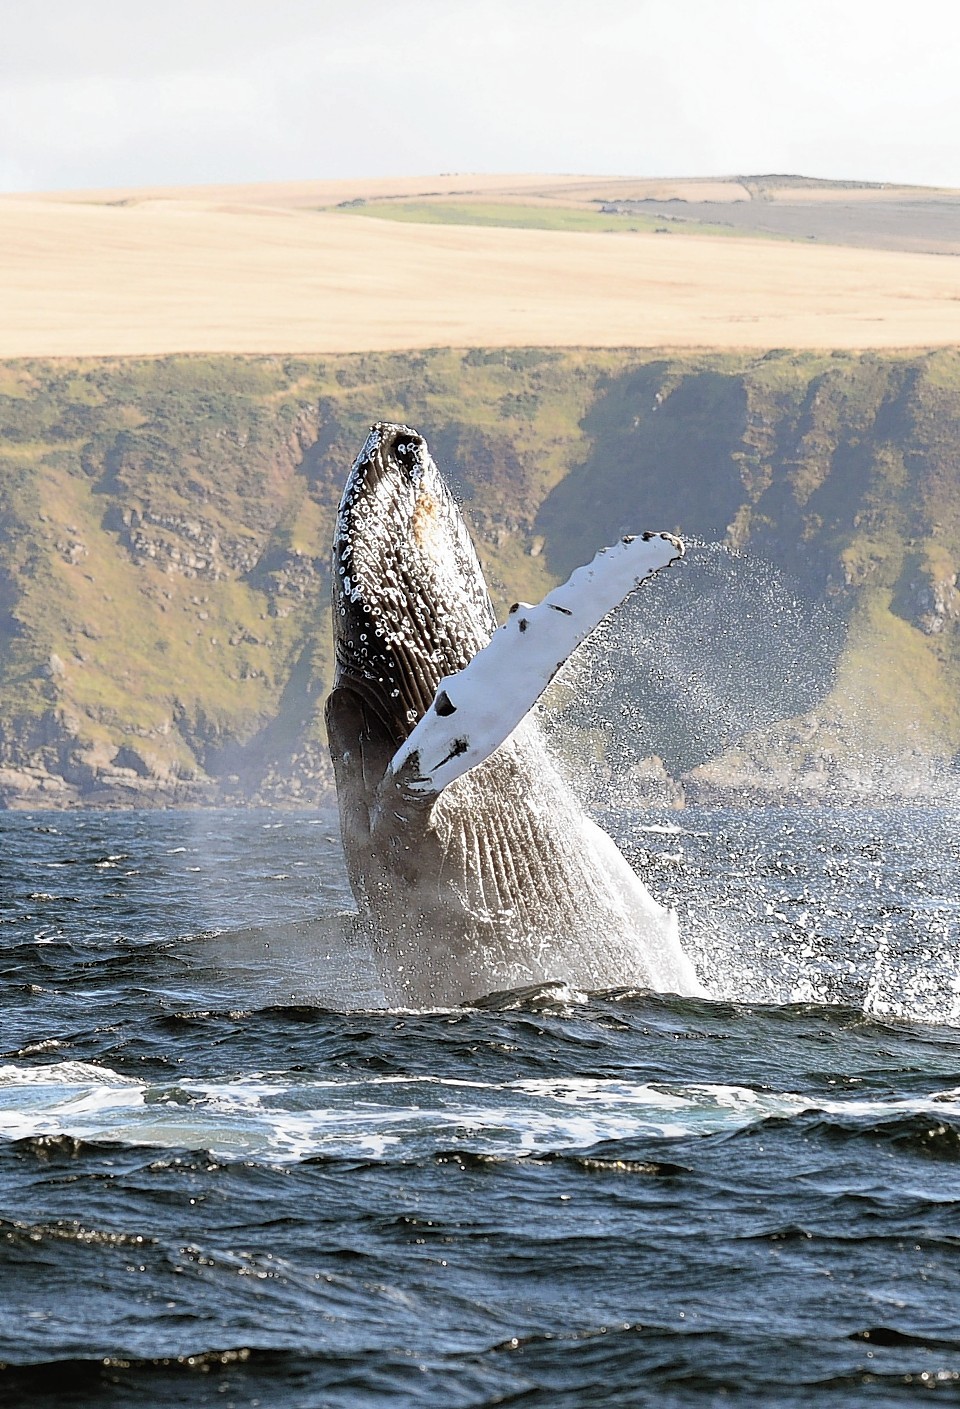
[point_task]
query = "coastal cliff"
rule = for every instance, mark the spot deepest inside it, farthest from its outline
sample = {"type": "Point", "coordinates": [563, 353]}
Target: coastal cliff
{"type": "Point", "coordinates": [164, 532]}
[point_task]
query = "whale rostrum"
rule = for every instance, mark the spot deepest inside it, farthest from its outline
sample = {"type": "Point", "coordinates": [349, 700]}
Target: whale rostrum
{"type": "Point", "coordinates": [472, 864]}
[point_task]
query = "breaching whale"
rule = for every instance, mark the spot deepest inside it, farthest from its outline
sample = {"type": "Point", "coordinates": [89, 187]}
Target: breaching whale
{"type": "Point", "coordinates": [471, 862]}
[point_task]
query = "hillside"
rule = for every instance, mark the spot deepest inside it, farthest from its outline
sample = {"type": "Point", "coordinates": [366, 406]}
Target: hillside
{"type": "Point", "coordinates": [864, 214]}
{"type": "Point", "coordinates": [165, 530]}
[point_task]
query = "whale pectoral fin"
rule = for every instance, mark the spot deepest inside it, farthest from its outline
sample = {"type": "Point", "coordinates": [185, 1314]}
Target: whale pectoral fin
{"type": "Point", "coordinates": [475, 710]}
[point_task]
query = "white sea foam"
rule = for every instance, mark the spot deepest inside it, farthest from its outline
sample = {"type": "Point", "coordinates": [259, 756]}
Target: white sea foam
{"type": "Point", "coordinates": [280, 1121]}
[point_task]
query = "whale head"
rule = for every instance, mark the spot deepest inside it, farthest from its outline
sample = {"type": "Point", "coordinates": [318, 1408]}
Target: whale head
{"type": "Point", "coordinates": [410, 603]}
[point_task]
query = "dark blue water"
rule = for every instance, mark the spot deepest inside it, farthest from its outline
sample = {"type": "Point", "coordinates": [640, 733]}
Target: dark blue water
{"type": "Point", "coordinates": [226, 1177]}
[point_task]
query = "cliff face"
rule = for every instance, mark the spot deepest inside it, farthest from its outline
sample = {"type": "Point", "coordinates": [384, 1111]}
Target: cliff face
{"type": "Point", "coordinates": [164, 532]}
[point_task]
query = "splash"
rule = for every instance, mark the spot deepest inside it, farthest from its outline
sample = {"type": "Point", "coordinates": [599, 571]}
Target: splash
{"type": "Point", "coordinates": [722, 684]}
{"type": "Point", "coordinates": [278, 1119]}
{"type": "Point", "coordinates": [686, 667]}
{"type": "Point", "coordinates": [814, 906]}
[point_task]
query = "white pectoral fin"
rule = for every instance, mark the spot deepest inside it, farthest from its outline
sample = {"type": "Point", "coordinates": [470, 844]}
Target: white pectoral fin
{"type": "Point", "coordinates": [475, 710]}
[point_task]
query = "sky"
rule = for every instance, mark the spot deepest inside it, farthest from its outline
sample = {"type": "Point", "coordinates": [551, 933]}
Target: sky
{"type": "Point", "coordinates": [101, 93]}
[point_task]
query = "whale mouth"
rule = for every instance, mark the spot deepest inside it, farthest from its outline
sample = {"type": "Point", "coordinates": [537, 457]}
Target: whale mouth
{"type": "Point", "coordinates": [410, 603]}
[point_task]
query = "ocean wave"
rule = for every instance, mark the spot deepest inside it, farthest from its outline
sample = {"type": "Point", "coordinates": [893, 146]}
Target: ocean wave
{"type": "Point", "coordinates": [286, 1118]}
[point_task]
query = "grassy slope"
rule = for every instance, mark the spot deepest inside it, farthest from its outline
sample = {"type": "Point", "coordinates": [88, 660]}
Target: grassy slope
{"type": "Point", "coordinates": [514, 216]}
{"type": "Point", "coordinates": [163, 559]}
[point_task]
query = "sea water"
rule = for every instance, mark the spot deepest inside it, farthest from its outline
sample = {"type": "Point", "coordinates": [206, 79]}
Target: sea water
{"type": "Point", "coordinates": [228, 1175]}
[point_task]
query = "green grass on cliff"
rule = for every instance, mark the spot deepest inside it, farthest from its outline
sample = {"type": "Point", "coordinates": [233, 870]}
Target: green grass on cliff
{"type": "Point", "coordinates": [510, 216]}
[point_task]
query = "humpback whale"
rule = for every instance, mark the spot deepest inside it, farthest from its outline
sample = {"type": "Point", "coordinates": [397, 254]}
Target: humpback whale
{"type": "Point", "coordinates": [472, 864]}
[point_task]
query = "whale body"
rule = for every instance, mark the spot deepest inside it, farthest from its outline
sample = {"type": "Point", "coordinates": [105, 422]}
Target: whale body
{"type": "Point", "coordinates": [472, 864]}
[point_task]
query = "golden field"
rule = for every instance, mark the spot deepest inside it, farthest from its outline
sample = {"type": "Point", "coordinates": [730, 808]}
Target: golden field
{"type": "Point", "coordinates": [264, 269]}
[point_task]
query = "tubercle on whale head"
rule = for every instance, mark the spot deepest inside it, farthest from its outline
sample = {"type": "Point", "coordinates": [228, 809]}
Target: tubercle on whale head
{"type": "Point", "coordinates": [409, 600]}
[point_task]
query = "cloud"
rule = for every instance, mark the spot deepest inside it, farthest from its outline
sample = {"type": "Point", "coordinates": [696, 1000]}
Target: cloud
{"type": "Point", "coordinates": [101, 92]}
